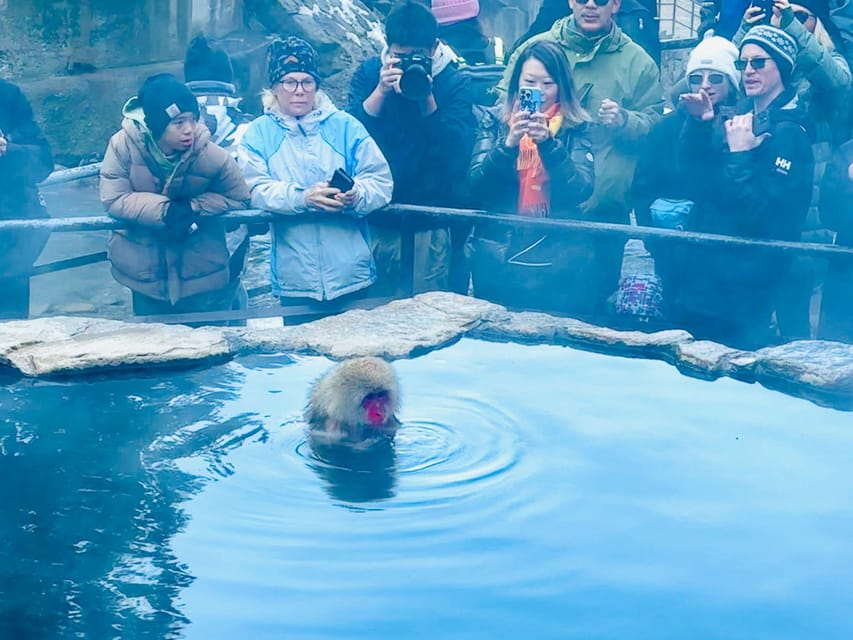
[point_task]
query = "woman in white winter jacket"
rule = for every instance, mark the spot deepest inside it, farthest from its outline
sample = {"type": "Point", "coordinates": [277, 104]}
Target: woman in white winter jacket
{"type": "Point", "coordinates": [321, 248]}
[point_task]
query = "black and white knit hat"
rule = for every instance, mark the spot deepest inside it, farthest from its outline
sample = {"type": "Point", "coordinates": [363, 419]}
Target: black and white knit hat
{"type": "Point", "coordinates": [291, 54]}
{"type": "Point", "coordinates": [778, 45]}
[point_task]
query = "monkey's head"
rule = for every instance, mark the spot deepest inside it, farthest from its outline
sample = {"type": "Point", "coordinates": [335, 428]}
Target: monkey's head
{"type": "Point", "coordinates": [360, 394]}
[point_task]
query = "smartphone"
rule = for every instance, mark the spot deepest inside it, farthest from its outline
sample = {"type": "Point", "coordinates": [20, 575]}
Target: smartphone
{"type": "Point", "coordinates": [341, 180]}
{"type": "Point", "coordinates": [530, 99]}
{"type": "Point", "coordinates": [766, 6]}
{"type": "Point", "coordinates": [761, 122]}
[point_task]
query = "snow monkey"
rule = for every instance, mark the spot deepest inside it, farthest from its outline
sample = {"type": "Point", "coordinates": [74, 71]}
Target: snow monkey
{"type": "Point", "coordinates": [355, 401]}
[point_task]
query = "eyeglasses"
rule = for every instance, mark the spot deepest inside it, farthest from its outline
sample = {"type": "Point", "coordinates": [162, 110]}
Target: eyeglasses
{"type": "Point", "coordinates": [713, 78]}
{"type": "Point", "coordinates": [802, 15]}
{"type": "Point", "coordinates": [598, 3]}
{"type": "Point", "coordinates": [290, 85]}
{"type": "Point", "coordinates": [756, 63]}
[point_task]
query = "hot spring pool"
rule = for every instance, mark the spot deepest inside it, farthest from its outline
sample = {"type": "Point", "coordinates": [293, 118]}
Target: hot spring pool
{"type": "Point", "coordinates": [535, 492]}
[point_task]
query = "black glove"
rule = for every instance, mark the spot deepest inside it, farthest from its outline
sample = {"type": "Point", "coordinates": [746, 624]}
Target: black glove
{"type": "Point", "coordinates": [179, 220]}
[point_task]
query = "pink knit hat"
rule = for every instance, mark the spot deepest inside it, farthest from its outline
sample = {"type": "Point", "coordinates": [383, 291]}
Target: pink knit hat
{"type": "Point", "coordinates": [450, 11]}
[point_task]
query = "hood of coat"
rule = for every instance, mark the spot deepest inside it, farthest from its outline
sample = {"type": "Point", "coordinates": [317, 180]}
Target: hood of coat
{"type": "Point", "coordinates": [323, 109]}
{"type": "Point", "coordinates": [136, 129]}
{"type": "Point", "coordinates": [566, 32]}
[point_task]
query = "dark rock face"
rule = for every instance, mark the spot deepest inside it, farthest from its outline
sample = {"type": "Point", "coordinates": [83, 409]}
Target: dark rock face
{"type": "Point", "coordinates": [78, 62]}
{"type": "Point", "coordinates": [40, 38]}
{"type": "Point", "coordinates": [344, 33]}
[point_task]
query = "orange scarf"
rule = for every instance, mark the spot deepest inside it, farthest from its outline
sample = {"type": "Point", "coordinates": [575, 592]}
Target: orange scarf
{"type": "Point", "coordinates": [534, 197]}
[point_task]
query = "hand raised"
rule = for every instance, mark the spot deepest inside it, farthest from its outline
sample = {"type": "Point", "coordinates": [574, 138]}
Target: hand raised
{"type": "Point", "coordinates": [698, 105]}
{"type": "Point", "coordinates": [519, 124]}
{"type": "Point", "coordinates": [739, 134]}
{"type": "Point", "coordinates": [389, 76]}
{"type": "Point", "coordinates": [537, 128]}
{"type": "Point", "coordinates": [752, 16]}
{"type": "Point", "coordinates": [610, 114]}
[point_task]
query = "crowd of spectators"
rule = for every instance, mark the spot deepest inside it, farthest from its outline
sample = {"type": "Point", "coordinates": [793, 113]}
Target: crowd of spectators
{"type": "Point", "coordinates": [754, 145]}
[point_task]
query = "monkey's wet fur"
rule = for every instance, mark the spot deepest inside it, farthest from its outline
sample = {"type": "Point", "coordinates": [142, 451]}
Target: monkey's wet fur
{"type": "Point", "coordinates": [354, 403]}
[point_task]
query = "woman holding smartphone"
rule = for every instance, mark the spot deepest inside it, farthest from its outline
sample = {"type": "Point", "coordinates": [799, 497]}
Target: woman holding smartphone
{"type": "Point", "coordinates": [290, 157]}
{"type": "Point", "coordinates": [535, 161]}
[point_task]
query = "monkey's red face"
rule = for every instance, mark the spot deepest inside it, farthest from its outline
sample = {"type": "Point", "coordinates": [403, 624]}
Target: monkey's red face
{"type": "Point", "coordinates": [375, 407]}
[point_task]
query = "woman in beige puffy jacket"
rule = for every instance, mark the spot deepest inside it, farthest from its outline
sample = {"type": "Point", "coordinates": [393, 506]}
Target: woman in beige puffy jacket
{"type": "Point", "coordinates": [162, 173]}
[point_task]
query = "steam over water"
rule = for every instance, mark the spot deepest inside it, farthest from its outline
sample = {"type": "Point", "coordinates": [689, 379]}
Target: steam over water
{"type": "Point", "coordinates": [535, 492]}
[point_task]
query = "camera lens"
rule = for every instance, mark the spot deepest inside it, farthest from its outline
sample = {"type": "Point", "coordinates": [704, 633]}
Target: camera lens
{"type": "Point", "coordinates": [415, 83]}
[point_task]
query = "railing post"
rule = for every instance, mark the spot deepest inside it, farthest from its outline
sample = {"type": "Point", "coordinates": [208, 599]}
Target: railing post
{"type": "Point", "coordinates": [407, 256]}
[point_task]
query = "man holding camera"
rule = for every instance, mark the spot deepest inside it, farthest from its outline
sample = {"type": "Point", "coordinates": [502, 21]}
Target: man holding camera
{"type": "Point", "coordinates": [418, 107]}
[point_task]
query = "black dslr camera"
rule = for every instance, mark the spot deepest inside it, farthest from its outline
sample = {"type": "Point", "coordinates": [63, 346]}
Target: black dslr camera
{"type": "Point", "coordinates": [415, 83]}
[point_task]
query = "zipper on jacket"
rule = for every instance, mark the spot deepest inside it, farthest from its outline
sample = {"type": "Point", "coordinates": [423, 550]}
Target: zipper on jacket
{"type": "Point", "coordinates": [320, 264]}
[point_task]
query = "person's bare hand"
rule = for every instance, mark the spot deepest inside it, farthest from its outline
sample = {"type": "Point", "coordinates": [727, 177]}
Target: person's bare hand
{"type": "Point", "coordinates": [739, 134]}
{"type": "Point", "coordinates": [389, 76]}
{"type": "Point", "coordinates": [752, 16]}
{"type": "Point", "coordinates": [519, 124]}
{"type": "Point", "coordinates": [347, 198]}
{"type": "Point", "coordinates": [537, 128]}
{"type": "Point", "coordinates": [698, 105]}
{"type": "Point", "coordinates": [610, 114]}
{"type": "Point", "coordinates": [321, 196]}
{"type": "Point", "coordinates": [4, 146]}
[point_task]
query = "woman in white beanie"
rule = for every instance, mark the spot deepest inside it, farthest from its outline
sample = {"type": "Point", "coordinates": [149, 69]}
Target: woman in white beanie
{"type": "Point", "coordinates": [659, 189]}
{"type": "Point", "coordinates": [754, 181]}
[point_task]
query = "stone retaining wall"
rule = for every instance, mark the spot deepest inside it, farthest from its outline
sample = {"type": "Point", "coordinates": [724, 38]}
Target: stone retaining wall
{"type": "Point", "coordinates": [819, 371]}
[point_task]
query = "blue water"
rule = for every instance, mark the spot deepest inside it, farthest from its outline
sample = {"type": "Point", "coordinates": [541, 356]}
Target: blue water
{"type": "Point", "coordinates": [534, 492]}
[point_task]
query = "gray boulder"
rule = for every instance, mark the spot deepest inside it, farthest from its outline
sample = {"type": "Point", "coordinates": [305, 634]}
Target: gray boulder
{"type": "Point", "coordinates": [343, 32]}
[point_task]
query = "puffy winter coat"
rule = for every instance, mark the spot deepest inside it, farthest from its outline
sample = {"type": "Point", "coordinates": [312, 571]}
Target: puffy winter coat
{"type": "Point", "coordinates": [26, 162]}
{"type": "Point", "coordinates": [136, 188]}
{"type": "Point", "coordinates": [613, 67]}
{"type": "Point", "coordinates": [315, 254]}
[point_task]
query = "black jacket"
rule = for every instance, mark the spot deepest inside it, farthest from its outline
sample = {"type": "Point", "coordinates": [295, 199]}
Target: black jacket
{"type": "Point", "coordinates": [836, 205]}
{"type": "Point", "coordinates": [522, 267]}
{"type": "Point", "coordinates": [763, 194]}
{"type": "Point", "coordinates": [568, 159]}
{"type": "Point", "coordinates": [836, 210]}
{"type": "Point", "coordinates": [657, 175]}
{"type": "Point", "coordinates": [428, 155]}
{"type": "Point", "coordinates": [26, 162]}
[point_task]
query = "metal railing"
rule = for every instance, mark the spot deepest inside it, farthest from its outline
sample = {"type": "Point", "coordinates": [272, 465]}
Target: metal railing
{"type": "Point", "coordinates": [410, 220]}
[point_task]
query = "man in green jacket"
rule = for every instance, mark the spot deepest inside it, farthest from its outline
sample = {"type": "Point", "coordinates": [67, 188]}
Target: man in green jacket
{"type": "Point", "coordinates": [619, 86]}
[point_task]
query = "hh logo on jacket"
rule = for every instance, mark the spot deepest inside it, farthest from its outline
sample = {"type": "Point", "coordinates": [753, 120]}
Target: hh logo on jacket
{"type": "Point", "coordinates": [783, 165]}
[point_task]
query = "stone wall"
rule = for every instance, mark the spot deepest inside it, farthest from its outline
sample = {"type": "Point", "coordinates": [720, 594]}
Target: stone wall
{"type": "Point", "coordinates": [79, 61]}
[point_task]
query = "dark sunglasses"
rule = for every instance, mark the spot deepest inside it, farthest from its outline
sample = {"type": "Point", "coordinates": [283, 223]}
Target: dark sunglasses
{"type": "Point", "coordinates": [803, 16]}
{"type": "Point", "coordinates": [598, 3]}
{"type": "Point", "coordinates": [755, 63]}
{"type": "Point", "coordinates": [713, 78]}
